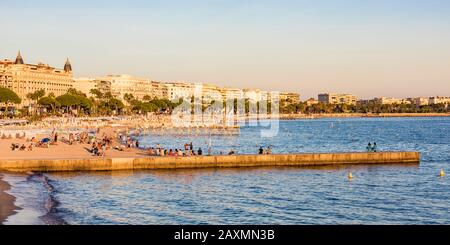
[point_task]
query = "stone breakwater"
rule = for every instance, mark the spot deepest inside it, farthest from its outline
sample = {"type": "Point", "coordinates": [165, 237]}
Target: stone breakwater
{"type": "Point", "coordinates": [196, 162]}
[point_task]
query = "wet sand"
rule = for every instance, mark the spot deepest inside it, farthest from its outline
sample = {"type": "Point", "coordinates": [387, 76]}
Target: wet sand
{"type": "Point", "coordinates": [7, 207]}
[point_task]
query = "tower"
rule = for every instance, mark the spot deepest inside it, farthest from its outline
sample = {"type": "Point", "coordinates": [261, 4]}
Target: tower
{"type": "Point", "coordinates": [68, 66]}
{"type": "Point", "coordinates": [19, 59]}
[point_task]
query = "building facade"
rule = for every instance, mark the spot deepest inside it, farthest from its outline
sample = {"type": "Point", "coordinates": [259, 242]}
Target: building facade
{"type": "Point", "coordinates": [334, 98]}
{"type": "Point", "coordinates": [120, 85]}
{"type": "Point", "coordinates": [420, 101]}
{"type": "Point", "coordinates": [311, 102]}
{"type": "Point", "coordinates": [179, 90]}
{"type": "Point", "coordinates": [292, 98]}
{"type": "Point", "coordinates": [25, 78]}
{"type": "Point", "coordinates": [85, 85]}
{"type": "Point", "coordinates": [231, 93]}
{"type": "Point", "coordinates": [391, 101]}
{"type": "Point", "coordinates": [439, 100]}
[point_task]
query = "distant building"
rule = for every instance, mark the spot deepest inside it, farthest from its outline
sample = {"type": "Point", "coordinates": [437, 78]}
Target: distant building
{"type": "Point", "coordinates": [103, 86]}
{"type": "Point", "coordinates": [362, 102]}
{"type": "Point", "coordinates": [126, 84]}
{"type": "Point", "coordinates": [311, 102]}
{"type": "Point", "coordinates": [211, 93]}
{"type": "Point", "coordinates": [391, 101]}
{"type": "Point", "coordinates": [439, 100]}
{"type": "Point", "coordinates": [159, 90]}
{"type": "Point", "coordinates": [231, 93]}
{"type": "Point", "coordinates": [85, 85]}
{"type": "Point", "coordinates": [179, 90]}
{"type": "Point", "coordinates": [334, 98]}
{"type": "Point", "coordinates": [25, 78]}
{"type": "Point", "coordinates": [292, 98]}
{"type": "Point", "coordinates": [420, 101]}
{"type": "Point", "coordinates": [255, 95]}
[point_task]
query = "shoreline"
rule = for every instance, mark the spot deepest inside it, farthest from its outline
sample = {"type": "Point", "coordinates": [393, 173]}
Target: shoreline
{"type": "Point", "coordinates": [7, 201]}
{"type": "Point", "coordinates": [360, 115]}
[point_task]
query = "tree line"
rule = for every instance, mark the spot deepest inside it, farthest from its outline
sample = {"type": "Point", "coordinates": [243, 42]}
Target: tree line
{"type": "Point", "coordinates": [369, 107]}
{"type": "Point", "coordinates": [98, 104]}
{"type": "Point", "coordinates": [76, 102]}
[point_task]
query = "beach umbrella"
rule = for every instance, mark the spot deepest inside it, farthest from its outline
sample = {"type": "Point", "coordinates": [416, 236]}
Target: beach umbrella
{"type": "Point", "coordinates": [45, 140]}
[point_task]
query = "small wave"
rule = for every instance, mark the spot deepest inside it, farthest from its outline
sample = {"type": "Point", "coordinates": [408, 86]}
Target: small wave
{"type": "Point", "coordinates": [52, 217]}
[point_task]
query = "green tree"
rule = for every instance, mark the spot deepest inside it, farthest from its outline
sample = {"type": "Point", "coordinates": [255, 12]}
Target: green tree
{"type": "Point", "coordinates": [71, 100]}
{"type": "Point", "coordinates": [76, 92]}
{"type": "Point", "coordinates": [128, 98]}
{"type": "Point", "coordinates": [49, 103]}
{"type": "Point", "coordinates": [8, 96]}
{"type": "Point", "coordinates": [97, 93]}
{"type": "Point", "coordinates": [35, 96]}
{"type": "Point", "coordinates": [147, 98]}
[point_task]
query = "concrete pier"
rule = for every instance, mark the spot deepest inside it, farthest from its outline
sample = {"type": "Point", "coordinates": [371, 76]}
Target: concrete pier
{"type": "Point", "coordinates": [195, 162]}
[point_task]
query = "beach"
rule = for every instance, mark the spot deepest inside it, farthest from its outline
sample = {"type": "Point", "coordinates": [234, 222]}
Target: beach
{"type": "Point", "coordinates": [59, 151]}
{"type": "Point", "coordinates": [7, 207]}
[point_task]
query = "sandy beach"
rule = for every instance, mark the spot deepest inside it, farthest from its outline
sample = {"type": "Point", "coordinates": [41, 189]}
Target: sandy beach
{"type": "Point", "coordinates": [59, 151]}
{"type": "Point", "coordinates": [7, 207]}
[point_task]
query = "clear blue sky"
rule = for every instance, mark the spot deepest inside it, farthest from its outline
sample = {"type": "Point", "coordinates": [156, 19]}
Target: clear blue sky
{"type": "Point", "coordinates": [366, 47]}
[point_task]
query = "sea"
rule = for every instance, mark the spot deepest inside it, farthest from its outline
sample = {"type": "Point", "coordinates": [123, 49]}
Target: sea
{"type": "Point", "coordinates": [377, 194]}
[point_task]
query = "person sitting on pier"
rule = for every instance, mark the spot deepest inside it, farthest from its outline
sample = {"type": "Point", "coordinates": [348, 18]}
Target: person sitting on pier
{"type": "Point", "coordinates": [200, 152]}
{"type": "Point", "coordinates": [94, 149]}
{"type": "Point", "coordinates": [71, 139]}
{"type": "Point", "coordinates": [261, 150]}
{"type": "Point", "coordinates": [232, 152]}
{"type": "Point", "coordinates": [269, 150]}
{"type": "Point", "coordinates": [369, 147]}
{"type": "Point", "coordinates": [374, 147]}
{"type": "Point", "coordinates": [14, 147]}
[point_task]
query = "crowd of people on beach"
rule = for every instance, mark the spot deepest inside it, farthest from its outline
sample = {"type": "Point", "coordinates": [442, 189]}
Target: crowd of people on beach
{"type": "Point", "coordinates": [32, 143]}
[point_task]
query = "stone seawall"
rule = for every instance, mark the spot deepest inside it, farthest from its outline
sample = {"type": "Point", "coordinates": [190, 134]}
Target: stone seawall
{"type": "Point", "coordinates": [153, 163]}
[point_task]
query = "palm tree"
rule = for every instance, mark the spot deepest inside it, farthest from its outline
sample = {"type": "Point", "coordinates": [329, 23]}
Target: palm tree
{"type": "Point", "coordinates": [35, 96]}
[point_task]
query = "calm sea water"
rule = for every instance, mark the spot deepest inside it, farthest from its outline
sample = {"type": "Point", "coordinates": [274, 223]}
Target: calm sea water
{"type": "Point", "coordinates": [378, 194]}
